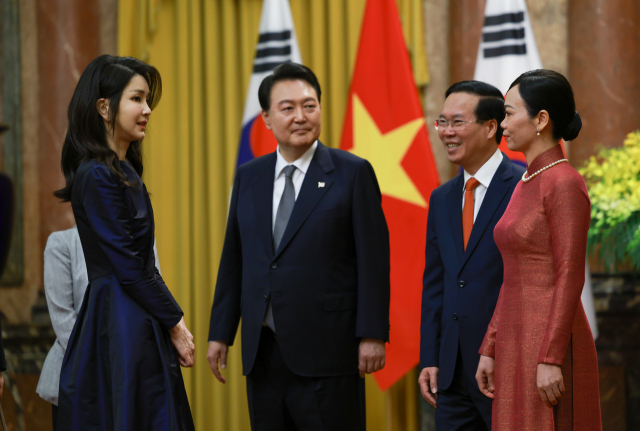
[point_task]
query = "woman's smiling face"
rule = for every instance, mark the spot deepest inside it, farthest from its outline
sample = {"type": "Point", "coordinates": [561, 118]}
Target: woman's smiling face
{"type": "Point", "coordinates": [133, 111]}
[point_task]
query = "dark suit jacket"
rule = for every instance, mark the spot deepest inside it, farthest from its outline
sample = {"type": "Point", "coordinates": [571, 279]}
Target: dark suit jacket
{"type": "Point", "coordinates": [329, 279]}
{"type": "Point", "coordinates": [460, 288]}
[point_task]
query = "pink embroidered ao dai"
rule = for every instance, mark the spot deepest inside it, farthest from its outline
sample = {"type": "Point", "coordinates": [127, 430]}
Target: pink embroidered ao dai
{"type": "Point", "coordinates": [539, 317]}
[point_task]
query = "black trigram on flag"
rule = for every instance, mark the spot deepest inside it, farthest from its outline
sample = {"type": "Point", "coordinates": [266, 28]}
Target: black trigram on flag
{"type": "Point", "coordinates": [504, 35]}
{"type": "Point", "coordinates": [273, 49]}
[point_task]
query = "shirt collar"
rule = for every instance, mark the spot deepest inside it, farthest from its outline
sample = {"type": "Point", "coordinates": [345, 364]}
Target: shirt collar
{"type": "Point", "coordinates": [302, 163]}
{"type": "Point", "coordinates": [487, 171]}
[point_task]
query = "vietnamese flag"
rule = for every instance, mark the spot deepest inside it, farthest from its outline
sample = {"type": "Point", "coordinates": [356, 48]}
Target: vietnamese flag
{"type": "Point", "coordinates": [384, 124]}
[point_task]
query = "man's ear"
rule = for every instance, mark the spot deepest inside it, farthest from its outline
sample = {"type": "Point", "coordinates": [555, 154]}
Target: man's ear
{"type": "Point", "coordinates": [102, 105]}
{"type": "Point", "coordinates": [265, 119]}
{"type": "Point", "coordinates": [543, 120]}
{"type": "Point", "coordinates": [493, 128]}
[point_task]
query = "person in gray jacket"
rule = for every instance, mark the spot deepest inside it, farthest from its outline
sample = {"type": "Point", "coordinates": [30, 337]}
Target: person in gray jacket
{"type": "Point", "coordinates": [65, 281]}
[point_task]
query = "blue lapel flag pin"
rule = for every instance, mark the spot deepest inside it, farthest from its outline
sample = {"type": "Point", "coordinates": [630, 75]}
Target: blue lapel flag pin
{"type": "Point", "coordinates": [320, 185]}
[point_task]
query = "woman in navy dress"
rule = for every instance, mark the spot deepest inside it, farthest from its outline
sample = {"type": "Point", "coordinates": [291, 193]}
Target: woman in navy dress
{"type": "Point", "coordinates": [121, 370]}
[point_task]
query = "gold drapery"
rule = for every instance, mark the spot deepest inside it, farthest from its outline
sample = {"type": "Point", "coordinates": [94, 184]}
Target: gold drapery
{"type": "Point", "coordinates": [204, 50]}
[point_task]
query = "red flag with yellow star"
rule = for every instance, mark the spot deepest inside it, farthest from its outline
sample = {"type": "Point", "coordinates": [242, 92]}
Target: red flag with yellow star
{"type": "Point", "coordinates": [385, 125]}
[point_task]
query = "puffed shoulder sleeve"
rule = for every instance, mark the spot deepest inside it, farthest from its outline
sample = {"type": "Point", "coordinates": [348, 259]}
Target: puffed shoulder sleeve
{"type": "Point", "coordinates": [567, 208]}
{"type": "Point", "coordinates": [103, 198]}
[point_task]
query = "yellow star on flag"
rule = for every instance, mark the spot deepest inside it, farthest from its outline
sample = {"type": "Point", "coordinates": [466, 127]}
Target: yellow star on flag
{"type": "Point", "coordinates": [385, 153]}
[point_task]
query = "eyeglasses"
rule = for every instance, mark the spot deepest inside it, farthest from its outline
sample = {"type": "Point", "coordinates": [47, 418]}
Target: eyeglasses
{"type": "Point", "coordinates": [455, 124]}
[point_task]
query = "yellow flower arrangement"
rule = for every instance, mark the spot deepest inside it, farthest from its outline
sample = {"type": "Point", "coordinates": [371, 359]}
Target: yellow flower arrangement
{"type": "Point", "coordinates": [613, 180]}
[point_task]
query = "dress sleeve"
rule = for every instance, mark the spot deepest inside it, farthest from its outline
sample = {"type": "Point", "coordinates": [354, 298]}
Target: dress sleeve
{"type": "Point", "coordinates": [488, 347]}
{"type": "Point", "coordinates": [104, 202]}
{"type": "Point", "coordinates": [58, 287]}
{"type": "Point", "coordinates": [567, 208]}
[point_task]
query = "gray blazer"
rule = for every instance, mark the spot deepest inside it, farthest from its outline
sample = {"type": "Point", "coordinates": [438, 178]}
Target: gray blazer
{"type": "Point", "coordinates": [65, 281]}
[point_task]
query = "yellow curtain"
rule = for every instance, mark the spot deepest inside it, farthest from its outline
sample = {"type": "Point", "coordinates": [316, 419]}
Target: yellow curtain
{"type": "Point", "coordinates": [204, 50]}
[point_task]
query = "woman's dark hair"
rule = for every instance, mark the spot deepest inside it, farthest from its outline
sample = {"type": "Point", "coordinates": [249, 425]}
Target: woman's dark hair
{"type": "Point", "coordinates": [104, 78]}
{"type": "Point", "coordinates": [286, 72]}
{"type": "Point", "coordinates": [548, 90]}
{"type": "Point", "coordinates": [489, 107]}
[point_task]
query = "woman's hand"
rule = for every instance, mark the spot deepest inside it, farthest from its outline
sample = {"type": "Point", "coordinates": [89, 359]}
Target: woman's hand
{"type": "Point", "coordinates": [182, 340]}
{"type": "Point", "coordinates": [484, 375]}
{"type": "Point", "coordinates": [550, 383]}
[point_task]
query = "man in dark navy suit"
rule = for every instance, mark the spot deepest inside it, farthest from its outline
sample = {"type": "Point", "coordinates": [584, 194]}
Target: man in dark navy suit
{"type": "Point", "coordinates": [305, 263]}
{"type": "Point", "coordinates": [463, 268]}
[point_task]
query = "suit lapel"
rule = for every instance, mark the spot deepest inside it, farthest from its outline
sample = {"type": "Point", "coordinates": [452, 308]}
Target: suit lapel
{"type": "Point", "coordinates": [310, 193]}
{"type": "Point", "coordinates": [492, 199]}
{"type": "Point", "coordinates": [454, 213]}
{"type": "Point", "coordinates": [263, 202]}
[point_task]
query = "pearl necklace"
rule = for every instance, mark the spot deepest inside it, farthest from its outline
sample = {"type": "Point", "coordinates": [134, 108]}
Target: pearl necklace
{"type": "Point", "coordinates": [526, 180]}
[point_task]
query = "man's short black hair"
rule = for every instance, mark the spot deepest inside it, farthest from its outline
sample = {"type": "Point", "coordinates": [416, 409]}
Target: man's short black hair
{"type": "Point", "coordinates": [491, 103]}
{"type": "Point", "coordinates": [286, 72]}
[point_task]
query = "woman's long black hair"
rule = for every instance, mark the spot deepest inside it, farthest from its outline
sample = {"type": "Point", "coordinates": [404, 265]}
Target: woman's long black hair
{"type": "Point", "coordinates": [104, 78]}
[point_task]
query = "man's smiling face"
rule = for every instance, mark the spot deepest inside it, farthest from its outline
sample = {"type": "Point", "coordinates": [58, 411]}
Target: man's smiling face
{"type": "Point", "coordinates": [467, 145]}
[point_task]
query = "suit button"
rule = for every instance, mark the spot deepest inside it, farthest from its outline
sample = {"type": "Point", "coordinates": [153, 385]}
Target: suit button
{"type": "Point", "coordinates": [274, 265]}
{"type": "Point", "coordinates": [264, 298]}
{"type": "Point", "coordinates": [455, 316]}
{"type": "Point", "coordinates": [461, 284]}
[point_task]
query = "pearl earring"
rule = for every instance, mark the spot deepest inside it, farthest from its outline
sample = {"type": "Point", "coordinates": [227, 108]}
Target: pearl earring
{"type": "Point", "coordinates": [538, 131]}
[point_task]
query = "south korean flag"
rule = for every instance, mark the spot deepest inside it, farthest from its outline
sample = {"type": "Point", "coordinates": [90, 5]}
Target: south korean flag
{"type": "Point", "coordinates": [507, 47]}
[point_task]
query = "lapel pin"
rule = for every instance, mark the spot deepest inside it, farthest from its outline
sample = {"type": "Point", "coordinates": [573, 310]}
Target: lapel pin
{"type": "Point", "coordinates": [320, 185]}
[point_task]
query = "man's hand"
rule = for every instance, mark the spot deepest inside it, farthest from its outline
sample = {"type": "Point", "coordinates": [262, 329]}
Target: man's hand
{"type": "Point", "coordinates": [550, 383]}
{"type": "Point", "coordinates": [428, 382]}
{"type": "Point", "coordinates": [484, 375]}
{"type": "Point", "coordinates": [371, 356]}
{"type": "Point", "coordinates": [218, 352]}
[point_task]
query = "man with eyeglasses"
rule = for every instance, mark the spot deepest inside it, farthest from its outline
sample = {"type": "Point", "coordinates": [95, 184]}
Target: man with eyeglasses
{"type": "Point", "coordinates": [463, 268]}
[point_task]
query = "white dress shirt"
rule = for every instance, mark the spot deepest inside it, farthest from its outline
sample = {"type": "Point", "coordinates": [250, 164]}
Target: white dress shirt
{"type": "Point", "coordinates": [302, 165]}
{"type": "Point", "coordinates": [484, 176]}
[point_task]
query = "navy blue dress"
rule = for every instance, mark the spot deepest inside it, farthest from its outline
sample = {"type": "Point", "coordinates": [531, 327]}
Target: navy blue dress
{"type": "Point", "coordinates": [120, 371]}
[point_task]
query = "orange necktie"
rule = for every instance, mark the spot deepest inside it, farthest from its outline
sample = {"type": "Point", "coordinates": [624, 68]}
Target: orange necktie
{"type": "Point", "coordinates": [467, 210]}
